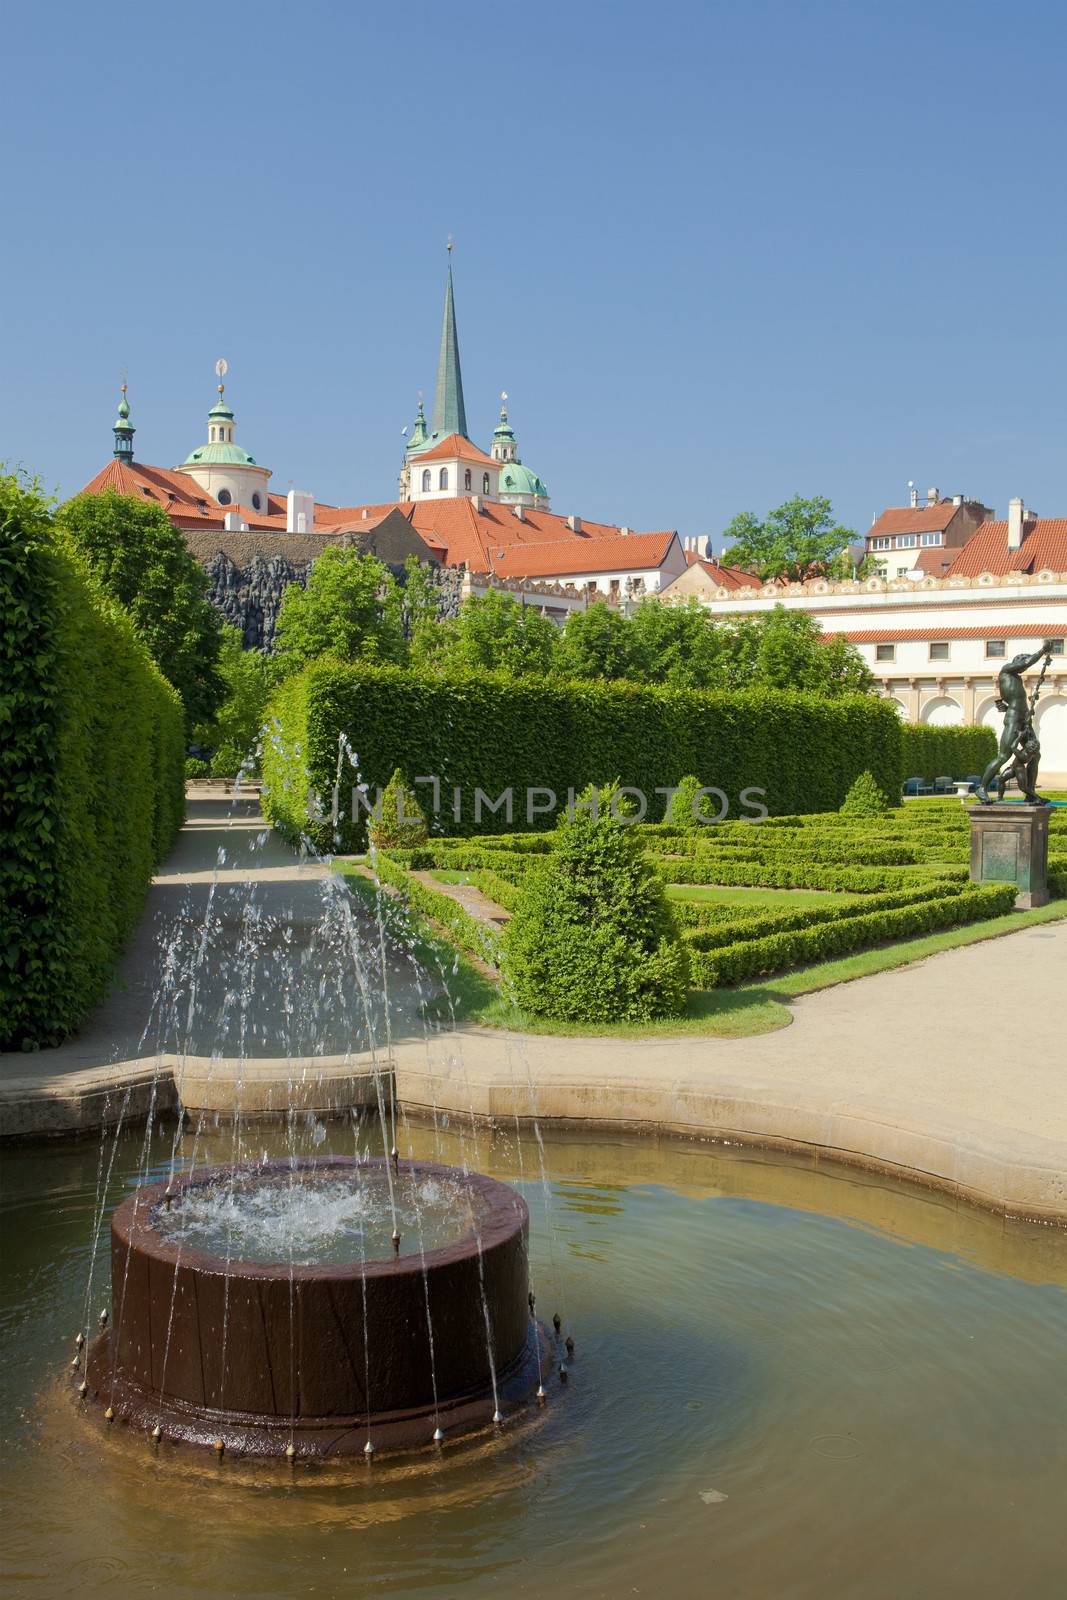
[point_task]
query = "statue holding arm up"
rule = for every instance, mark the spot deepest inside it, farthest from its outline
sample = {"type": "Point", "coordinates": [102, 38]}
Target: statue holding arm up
{"type": "Point", "coordinates": [1019, 751]}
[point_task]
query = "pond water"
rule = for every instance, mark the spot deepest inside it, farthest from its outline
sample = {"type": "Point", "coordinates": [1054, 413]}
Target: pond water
{"type": "Point", "coordinates": [787, 1382]}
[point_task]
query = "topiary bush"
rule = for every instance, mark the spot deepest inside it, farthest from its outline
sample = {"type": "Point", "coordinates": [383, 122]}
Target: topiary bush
{"type": "Point", "coordinates": [865, 798]}
{"type": "Point", "coordinates": [401, 824]}
{"type": "Point", "coordinates": [92, 745]}
{"type": "Point", "coordinates": [592, 937]}
{"type": "Point", "coordinates": [685, 805]}
{"type": "Point", "coordinates": [196, 769]}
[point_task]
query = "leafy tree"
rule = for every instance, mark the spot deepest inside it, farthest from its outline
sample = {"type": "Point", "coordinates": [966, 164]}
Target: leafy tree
{"type": "Point", "coordinates": [680, 646]}
{"type": "Point", "coordinates": [248, 677]}
{"type": "Point", "coordinates": [593, 937]}
{"type": "Point", "coordinates": [420, 610]}
{"type": "Point", "coordinates": [595, 644]}
{"type": "Point", "coordinates": [142, 561]}
{"type": "Point", "coordinates": [782, 649]}
{"type": "Point", "coordinates": [865, 798]}
{"type": "Point", "coordinates": [351, 608]}
{"type": "Point", "coordinates": [798, 540]}
{"type": "Point", "coordinates": [493, 632]}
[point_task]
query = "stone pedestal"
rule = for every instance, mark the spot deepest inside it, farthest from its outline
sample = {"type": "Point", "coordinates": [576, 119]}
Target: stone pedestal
{"type": "Point", "coordinates": [1009, 844]}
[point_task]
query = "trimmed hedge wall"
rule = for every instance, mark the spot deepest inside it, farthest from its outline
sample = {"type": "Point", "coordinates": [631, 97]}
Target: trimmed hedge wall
{"type": "Point", "coordinates": [91, 779]}
{"type": "Point", "coordinates": [931, 753]}
{"type": "Point", "coordinates": [490, 732]}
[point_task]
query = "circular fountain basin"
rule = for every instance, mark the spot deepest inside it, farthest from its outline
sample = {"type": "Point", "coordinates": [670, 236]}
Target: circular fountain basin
{"type": "Point", "coordinates": [269, 1306]}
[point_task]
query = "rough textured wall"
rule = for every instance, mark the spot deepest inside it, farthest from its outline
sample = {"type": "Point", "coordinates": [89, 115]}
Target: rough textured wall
{"type": "Point", "coordinates": [249, 596]}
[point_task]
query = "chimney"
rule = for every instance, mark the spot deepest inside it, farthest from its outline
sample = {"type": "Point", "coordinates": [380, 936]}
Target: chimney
{"type": "Point", "coordinates": [476, 502]}
{"type": "Point", "coordinates": [932, 497]}
{"type": "Point", "coordinates": [574, 524]}
{"type": "Point", "coordinates": [914, 496]}
{"type": "Point", "coordinates": [520, 512]}
{"type": "Point", "coordinates": [233, 522]}
{"type": "Point", "coordinates": [299, 511]}
{"type": "Point", "coordinates": [624, 533]}
{"type": "Point", "coordinates": [1016, 512]}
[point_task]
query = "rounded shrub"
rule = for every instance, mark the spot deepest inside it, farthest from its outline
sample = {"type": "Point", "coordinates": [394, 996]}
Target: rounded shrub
{"type": "Point", "coordinates": [401, 824]}
{"type": "Point", "coordinates": [686, 808]}
{"type": "Point", "coordinates": [593, 937]}
{"type": "Point", "coordinates": [196, 769]}
{"type": "Point", "coordinates": [865, 798]}
{"type": "Point", "coordinates": [226, 762]}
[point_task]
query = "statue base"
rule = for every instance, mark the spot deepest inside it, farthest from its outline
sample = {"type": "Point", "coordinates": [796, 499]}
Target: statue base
{"type": "Point", "coordinates": [1009, 844]}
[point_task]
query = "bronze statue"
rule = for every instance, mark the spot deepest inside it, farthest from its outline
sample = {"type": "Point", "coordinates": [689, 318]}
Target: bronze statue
{"type": "Point", "coordinates": [1019, 751]}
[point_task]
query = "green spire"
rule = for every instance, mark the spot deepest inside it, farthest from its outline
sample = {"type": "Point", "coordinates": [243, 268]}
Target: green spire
{"type": "Point", "coordinates": [419, 435]}
{"type": "Point", "coordinates": [124, 430]}
{"type": "Point", "coordinates": [449, 415]}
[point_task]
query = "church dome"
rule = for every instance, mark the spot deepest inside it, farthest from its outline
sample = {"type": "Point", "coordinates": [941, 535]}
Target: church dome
{"type": "Point", "coordinates": [517, 479]}
{"type": "Point", "coordinates": [206, 455]}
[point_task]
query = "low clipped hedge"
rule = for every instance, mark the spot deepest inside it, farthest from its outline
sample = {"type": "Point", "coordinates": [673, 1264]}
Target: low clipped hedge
{"type": "Point", "coordinates": [491, 732]}
{"type": "Point", "coordinates": [463, 929]}
{"type": "Point", "coordinates": [775, 952]}
{"type": "Point", "coordinates": [782, 920]}
{"type": "Point", "coordinates": [91, 778]}
{"type": "Point", "coordinates": [781, 875]}
{"type": "Point", "coordinates": [928, 752]}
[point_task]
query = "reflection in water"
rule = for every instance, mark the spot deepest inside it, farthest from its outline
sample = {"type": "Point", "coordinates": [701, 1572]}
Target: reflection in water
{"type": "Point", "coordinates": [785, 1382]}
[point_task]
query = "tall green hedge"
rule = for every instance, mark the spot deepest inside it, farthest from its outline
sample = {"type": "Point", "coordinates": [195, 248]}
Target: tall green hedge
{"type": "Point", "coordinates": [489, 732]}
{"type": "Point", "coordinates": [91, 778]}
{"type": "Point", "coordinates": [932, 753]}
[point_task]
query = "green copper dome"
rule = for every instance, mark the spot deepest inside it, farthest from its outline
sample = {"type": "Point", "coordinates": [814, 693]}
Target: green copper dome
{"type": "Point", "coordinates": [230, 455]}
{"type": "Point", "coordinates": [517, 479]}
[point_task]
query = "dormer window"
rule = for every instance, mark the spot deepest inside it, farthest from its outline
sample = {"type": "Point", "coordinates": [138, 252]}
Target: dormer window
{"type": "Point", "coordinates": [426, 481]}
{"type": "Point", "coordinates": [442, 478]}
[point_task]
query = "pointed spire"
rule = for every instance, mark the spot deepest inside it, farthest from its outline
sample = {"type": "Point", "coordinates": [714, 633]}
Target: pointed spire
{"type": "Point", "coordinates": [449, 414]}
{"type": "Point", "coordinates": [124, 430]}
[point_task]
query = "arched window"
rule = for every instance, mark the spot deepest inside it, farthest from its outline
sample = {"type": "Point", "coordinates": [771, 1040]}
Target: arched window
{"type": "Point", "coordinates": [485, 483]}
{"type": "Point", "coordinates": [467, 478]}
{"type": "Point", "coordinates": [442, 478]}
{"type": "Point", "coordinates": [224, 497]}
{"type": "Point", "coordinates": [257, 502]}
{"type": "Point", "coordinates": [426, 481]}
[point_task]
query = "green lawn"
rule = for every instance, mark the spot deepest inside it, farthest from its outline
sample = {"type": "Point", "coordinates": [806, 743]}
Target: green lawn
{"type": "Point", "coordinates": [752, 899]}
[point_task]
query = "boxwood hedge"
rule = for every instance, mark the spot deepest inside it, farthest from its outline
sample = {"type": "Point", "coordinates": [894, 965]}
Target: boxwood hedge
{"type": "Point", "coordinates": [91, 778]}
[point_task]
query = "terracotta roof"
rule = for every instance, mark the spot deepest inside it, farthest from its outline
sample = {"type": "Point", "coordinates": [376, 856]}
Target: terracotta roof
{"type": "Point", "coordinates": [914, 519]}
{"type": "Point", "coordinates": [1044, 547]}
{"type": "Point", "coordinates": [725, 577]}
{"type": "Point", "coordinates": [935, 560]}
{"type": "Point", "coordinates": [451, 447]}
{"type": "Point", "coordinates": [631, 552]}
{"type": "Point", "coordinates": [1037, 631]}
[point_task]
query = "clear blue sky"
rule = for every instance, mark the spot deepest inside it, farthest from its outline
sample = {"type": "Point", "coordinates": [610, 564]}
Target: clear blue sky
{"type": "Point", "coordinates": [717, 253]}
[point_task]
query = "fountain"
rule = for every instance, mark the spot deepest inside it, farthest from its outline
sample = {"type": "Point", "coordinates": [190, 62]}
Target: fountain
{"type": "Point", "coordinates": [269, 1309]}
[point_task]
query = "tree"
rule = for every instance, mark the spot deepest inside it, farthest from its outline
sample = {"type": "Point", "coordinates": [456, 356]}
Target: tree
{"type": "Point", "coordinates": [351, 608]}
{"type": "Point", "coordinates": [679, 646]}
{"type": "Point", "coordinates": [797, 541]}
{"type": "Point", "coordinates": [595, 644]}
{"type": "Point", "coordinates": [142, 561]}
{"type": "Point", "coordinates": [593, 937]}
{"type": "Point", "coordinates": [402, 823]}
{"type": "Point", "coordinates": [248, 677]}
{"type": "Point", "coordinates": [865, 798]}
{"type": "Point", "coordinates": [420, 609]}
{"type": "Point", "coordinates": [493, 632]}
{"type": "Point", "coordinates": [782, 649]}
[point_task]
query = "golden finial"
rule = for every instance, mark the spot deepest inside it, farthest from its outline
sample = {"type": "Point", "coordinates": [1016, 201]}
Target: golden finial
{"type": "Point", "coordinates": [222, 367]}
{"type": "Point", "coordinates": [450, 246]}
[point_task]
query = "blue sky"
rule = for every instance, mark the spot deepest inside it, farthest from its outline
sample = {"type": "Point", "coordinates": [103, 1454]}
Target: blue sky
{"type": "Point", "coordinates": [717, 254]}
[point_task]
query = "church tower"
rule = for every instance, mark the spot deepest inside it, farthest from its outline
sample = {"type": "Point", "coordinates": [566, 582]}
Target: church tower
{"type": "Point", "coordinates": [449, 412]}
{"type": "Point", "coordinates": [124, 431]}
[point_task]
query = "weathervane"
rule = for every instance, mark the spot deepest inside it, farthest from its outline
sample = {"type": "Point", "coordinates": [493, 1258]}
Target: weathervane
{"type": "Point", "coordinates": [222, 367]}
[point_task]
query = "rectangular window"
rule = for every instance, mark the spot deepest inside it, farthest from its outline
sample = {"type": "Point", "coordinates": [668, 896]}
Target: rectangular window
{"type": "Point", "coordinates": [881, 544]}
{"type": "Point", "coordinates": [902, 572]}
{"type": "Point", "coordinates": [939, 650]}
{"type": "Point", "coordinates": [907, 541]}
{"type": "Point", "coordinates": [996, 647]}
{"type": "Point", "coordinates": [931, 539]}
{"type": "Point", "coordinates": [885, 652]}
{"type": "Point", "coordinates": [1057, 646]}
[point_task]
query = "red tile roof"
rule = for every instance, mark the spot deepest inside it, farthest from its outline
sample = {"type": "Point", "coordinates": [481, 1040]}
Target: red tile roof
{"type": "Point", "coordinates": [725, 577]}
{"type": "Point", "coordinates": [914, 519]}
{"type": "Point", "coordinates": [1038, 631]}
{"type": "Point", "coordinates": [451, 447]}
{"type": "Point", "coordinates": [1044, 547]}
{"type": "Point", "coordinates": [630, 552]}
